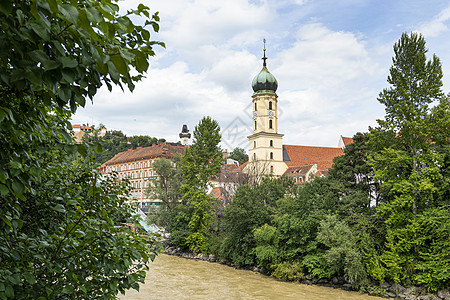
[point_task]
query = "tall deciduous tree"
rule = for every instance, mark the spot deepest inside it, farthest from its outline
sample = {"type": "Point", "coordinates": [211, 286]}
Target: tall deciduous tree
{"type": "Point", "coordinates": [200, 163]}
{"type": "Point", "coordinates": [60, 230]}
{"type": "Point", "coordinates": [410, 159]}
{"type": "Point", "coordinates": [407, 161]}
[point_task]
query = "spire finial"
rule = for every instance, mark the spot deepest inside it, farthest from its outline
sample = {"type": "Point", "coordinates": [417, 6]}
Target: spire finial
{"type": "Point", "coordinates": [264, 57]}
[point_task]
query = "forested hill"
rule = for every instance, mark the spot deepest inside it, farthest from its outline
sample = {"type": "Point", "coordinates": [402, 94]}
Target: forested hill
{"type": "Point", "coordinates": [115, 141]}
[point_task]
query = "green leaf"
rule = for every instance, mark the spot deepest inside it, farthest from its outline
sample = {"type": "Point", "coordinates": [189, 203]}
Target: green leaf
{"type": "Point", "coordinates": [40, 29]}
{"type": "Point", "coordinates": [50, 64]}
{"type": "Point", "coordinates": [81, 149]}
{"type": "Point", "coordinates": [3, 189]}
{"type": "Point", "coordinates": [6, 220]}
{"type": "Point", "coordinates": [120, 64]}
{"type": "Point", "coordinates": [69, 62]}
{"type": "Point", "coordinates": [29, 277]}
{"type": "Point", "coordinates": [18, 187]}
{"type": "Point", "coordinates": [59, 208]}
{"type": "Point", "coordinates": [38, 55]}
{"type": "Point", "coordinates": [69, 12]}
{"type": "Point", "coordinates": [2, 115]}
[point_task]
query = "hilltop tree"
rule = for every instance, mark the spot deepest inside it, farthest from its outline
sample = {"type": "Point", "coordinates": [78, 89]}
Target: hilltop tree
{"type": "Point", "coordinates": [58, 225]}
{"type": "Point", "coordinates": [200, 163]}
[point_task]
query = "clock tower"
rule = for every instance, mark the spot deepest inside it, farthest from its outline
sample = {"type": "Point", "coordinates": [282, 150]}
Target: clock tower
{"type": "Point", "coordinates": [265, 144]}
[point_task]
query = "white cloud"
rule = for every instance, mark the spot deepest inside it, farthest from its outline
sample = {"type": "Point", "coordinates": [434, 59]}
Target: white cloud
{"type": "Point", "coordinates": [438, 25]}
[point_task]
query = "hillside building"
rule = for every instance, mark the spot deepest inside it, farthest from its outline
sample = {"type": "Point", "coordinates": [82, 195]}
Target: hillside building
{"type": "Point", "coordinates": [137, 166]}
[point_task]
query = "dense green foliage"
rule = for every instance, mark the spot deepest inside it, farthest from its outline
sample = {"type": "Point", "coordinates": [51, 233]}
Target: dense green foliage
{"type": "Point", "coordinates": [114, 142]}
{"type": "Point", "coordinates": [61, 233]}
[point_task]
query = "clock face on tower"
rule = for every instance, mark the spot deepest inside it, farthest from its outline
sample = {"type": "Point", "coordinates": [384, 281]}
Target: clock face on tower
{"type": "Point", "coordinates": [271, 113]}
{"type": "Point", "coordinates": [255, 115]}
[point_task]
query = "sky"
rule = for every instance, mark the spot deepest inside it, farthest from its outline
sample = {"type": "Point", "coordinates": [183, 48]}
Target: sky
{"type": "Point", "coordinates": [331, 60]}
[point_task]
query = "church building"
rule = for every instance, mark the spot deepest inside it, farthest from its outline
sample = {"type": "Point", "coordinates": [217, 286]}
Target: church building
{"type": "Point", "coordinates": [267, 153]}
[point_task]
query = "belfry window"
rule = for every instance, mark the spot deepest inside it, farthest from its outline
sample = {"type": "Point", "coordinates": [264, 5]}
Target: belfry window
{"type": "Point", "coordinates": [270, 105]}
{"type": "Point", "coordinates": [270, 124]}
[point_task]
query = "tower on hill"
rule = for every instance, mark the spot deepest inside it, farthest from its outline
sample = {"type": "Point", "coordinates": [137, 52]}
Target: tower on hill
{"type": "Point", "coordinates": [185, 135]}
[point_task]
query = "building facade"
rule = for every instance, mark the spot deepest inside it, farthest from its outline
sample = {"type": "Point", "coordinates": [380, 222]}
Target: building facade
{"type": "Point", "coordinates": [137, 166]}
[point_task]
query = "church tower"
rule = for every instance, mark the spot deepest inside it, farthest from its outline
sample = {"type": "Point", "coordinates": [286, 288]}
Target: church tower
{"type": "Point", "coordinates": [265, 144]}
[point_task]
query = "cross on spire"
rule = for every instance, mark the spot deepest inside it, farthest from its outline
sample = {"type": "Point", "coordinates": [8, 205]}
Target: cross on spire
{"type": "Point", "coordinates": [264, 57]}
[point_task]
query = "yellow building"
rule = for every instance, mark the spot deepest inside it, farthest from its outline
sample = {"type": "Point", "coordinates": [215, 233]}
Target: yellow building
{"type": "Point", "coordinates": [137, 166]}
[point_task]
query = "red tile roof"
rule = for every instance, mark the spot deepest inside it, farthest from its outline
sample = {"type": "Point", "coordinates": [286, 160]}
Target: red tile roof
{"type": "Point", "coordinates": [298, 171]}
{"type": "Point", "coordinates": [241, 167]}
{"type": "Point", "coordinates": [347, 140]}
{"type": "Point", "coordinates": [220, 193]}
{"type": "Point", "coordinates": [305, 155]}
{"type": "Point", "coordinates": [159, 150]}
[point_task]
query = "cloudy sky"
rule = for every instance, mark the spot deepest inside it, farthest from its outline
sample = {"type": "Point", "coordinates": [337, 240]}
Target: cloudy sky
{"type": "Point", "coordinates": [331, 59]}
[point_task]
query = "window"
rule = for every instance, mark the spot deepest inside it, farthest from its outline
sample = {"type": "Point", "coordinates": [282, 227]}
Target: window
{"type": "Point", "coordinates": [270, 105]}
{"type": "Point", "coordinates": [271, 143]}
{"type": "Point", "coordinates": [254, 144]}
{"type": "Point", "coordinates": [254, 156]}
{"type": "Point", "coordinates": [255, 106]}
{"type": "Point", "coordinates": [271, 155]}
{"type": "Point", "coordinates": [271, 169]}
{"type": "Point", "coordinates": [255, 125]}
{"type": "Point", "coordinates": [270, 124]}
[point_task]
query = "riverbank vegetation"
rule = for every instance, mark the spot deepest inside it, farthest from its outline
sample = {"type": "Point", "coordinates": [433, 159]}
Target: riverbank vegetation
{"type": "Point", "coordinates": [382, 215]}
{"type": "Point", "coordinates": [61, 230]}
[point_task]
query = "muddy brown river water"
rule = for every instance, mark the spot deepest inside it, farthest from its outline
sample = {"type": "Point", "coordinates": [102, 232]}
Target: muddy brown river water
{"type": "Point", "coordinates": [172, 277]}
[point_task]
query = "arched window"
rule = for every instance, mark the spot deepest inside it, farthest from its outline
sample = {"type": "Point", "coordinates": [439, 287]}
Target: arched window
{"type": "Point", "coordinates": [254, 156]}
{"type": "Point", "coordinates": [271, 143]}
{"type": "Point", "coordinates": [271, 155]}
{"type": "Point", "coordinates": [255, 125]}
{"type": "Point", "coordinates": [271, 169]}
{"type": "Point", "coordinates": [255, 106]}
{"type": "Point", "coordinates": [270, 105]}
{"type": "Point", "coordinates": [270, 124]}
{"type": "Point", "coordinates": [254, 144]}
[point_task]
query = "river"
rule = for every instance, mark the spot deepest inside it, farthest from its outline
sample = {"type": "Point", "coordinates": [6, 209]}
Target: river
{"type": "Point", "coordinates": [173, 277]}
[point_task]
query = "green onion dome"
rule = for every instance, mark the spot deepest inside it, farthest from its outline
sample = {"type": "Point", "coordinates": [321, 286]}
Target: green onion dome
{"type": "Point", "coordinates": [264, 81]}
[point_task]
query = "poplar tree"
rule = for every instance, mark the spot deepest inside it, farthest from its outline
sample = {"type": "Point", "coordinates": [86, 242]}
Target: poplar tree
{"type": "Point", "coordinates": [410, 159]}
{"type": "Point", "coordinates": [201, 162]}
